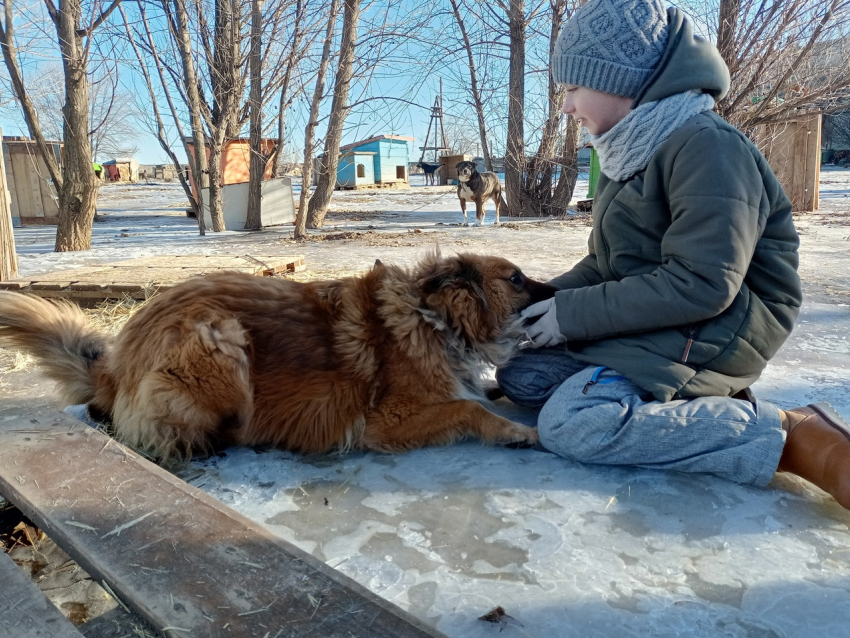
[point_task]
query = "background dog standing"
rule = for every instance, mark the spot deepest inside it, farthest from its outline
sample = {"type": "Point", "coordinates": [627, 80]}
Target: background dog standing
{"type": "Point", "coordinates": [476, 187]}
{"type": "Point", "coordinates": [387, 361]}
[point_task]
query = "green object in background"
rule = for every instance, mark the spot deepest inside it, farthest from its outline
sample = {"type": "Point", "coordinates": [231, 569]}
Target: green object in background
{"type": "Point", "coordinates": [594, 173]}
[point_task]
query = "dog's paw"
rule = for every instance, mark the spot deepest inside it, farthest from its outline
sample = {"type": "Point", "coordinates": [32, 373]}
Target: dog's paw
{"type": "Point", "coordinates": [519, 436]}
{"type": "Point", "coordinates": [497, 223]}
{"type": "Point", "coordinates": [465, 224]}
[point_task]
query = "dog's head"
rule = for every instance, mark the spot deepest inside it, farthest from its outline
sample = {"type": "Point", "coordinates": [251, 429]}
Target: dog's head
{"type": "Point", "coordinates": [479, 297]}
{"type": "Point", "coordinates": [465, 171]}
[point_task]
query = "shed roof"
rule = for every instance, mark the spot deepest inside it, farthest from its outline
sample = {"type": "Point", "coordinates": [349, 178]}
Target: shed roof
{"type": "Point", "coordinates": [402, 138]}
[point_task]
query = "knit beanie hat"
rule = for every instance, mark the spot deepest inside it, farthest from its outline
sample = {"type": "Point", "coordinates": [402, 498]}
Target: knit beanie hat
{"type": "Point", "coordinates": [611, 45]}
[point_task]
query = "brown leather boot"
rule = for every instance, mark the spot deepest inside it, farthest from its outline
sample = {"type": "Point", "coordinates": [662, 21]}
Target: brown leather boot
{"type": "Point", "coordinates": [817, 448]}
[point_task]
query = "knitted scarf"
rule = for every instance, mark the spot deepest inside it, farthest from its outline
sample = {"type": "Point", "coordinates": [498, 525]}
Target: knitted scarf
{"type": "Point", "coordinates": [627, 148]}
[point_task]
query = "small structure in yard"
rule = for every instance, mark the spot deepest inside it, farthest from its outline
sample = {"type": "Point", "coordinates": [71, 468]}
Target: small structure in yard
{"type": "Point", "coordinates": [163, 172]}
{"type": "Point", "coordinates": [32, 197]}
{"type": "Point", "coordinates": [356, 168]}
{"type": "Point", "coordinates": [235, 161]}
{"type": "Point", "coordinates": [792, 148]}
{"type": "Point", "coordinates": [389, 156]}
{"type": "Point", "coordinates": [448, 172]}
{"type": "Point", "coordinates": [277, 206]}
{"type": "Point", "coordinates": [121, 169]}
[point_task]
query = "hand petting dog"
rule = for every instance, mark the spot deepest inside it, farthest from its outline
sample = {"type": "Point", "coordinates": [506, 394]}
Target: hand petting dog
{"type": "Point", "coordinates": [544, 332]}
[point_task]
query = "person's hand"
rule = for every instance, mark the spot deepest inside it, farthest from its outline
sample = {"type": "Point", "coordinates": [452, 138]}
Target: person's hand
{"type": "Point", "coordinates": [544, 331]}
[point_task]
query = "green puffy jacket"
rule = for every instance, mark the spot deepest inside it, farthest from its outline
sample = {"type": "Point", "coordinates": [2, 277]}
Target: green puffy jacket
{"type": "Point", "coordinates": [691, 284]}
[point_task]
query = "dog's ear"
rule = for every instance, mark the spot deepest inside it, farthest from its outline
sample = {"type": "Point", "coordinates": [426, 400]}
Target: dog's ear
{"type": "Point", "coordinates": [459, 273]}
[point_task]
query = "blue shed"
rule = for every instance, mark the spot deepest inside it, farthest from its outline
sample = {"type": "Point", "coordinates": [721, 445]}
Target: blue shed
{"type": "Point", "coordinates": [391, 156]}
{"type": "Point", "coordinates": [355, 168]}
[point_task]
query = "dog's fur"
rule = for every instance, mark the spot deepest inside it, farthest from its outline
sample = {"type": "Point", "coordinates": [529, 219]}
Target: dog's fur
{"type": "Point", "coordinates": [476, 187]}
{"type": "Point", "coordinates": [387, 361]}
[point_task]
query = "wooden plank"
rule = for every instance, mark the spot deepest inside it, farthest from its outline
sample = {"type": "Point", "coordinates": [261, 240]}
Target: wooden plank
{"type": "Point", "coordinates": [25, 611]}
{"type": "Point", "coordinates": [18, 284]}
{"type": "Point", "coordinates": [84, 286]}
{"type": "Point", "coordinates": [812, 163]}
{"type": "Point", "coordinates": [798, 158]}
{"type": "Point", "coordinates": [49, 285]}
{"type": "Point", "coordinates": [20, 168]}
{"type": "Point", "coordinates": [35, 187]}
{"type": "Point", "coordinates": [10, 181]}
{"type": "Point", "coordinates": [176, 556]}
{"type": "Point", "coordinates": [8, 256]}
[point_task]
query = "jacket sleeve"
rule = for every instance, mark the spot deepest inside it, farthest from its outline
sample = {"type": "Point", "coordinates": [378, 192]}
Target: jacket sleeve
{"type": "Point", "coordinates": [716, 200]}
{"type": "Point", "coordinates": [584, 273]}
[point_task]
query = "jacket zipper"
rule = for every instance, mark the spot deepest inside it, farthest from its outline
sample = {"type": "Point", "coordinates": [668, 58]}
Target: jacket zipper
{"type": "Point", "coordinates": [690, 333]}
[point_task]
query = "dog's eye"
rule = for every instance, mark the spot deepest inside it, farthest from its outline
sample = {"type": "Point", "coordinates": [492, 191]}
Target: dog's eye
{"type": "Point", "coordinates": [516, 279]}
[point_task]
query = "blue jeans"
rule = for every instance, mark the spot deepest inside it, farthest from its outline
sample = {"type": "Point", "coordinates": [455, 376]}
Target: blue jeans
{"type": "Point", "coordinates": [593, 415]}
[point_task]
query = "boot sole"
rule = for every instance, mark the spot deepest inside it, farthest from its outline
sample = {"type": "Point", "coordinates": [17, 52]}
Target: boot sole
{"type": "Point", "coordinates": [832, 417]}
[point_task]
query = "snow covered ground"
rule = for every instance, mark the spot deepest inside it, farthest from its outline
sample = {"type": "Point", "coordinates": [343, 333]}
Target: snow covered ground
{"type": "Point", "coordinates": [565, 549]}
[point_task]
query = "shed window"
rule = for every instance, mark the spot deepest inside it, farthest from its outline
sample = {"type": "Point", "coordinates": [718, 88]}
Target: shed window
{"type": "Point", "coordinates": [361, 170]}
{"type": "Point", "coordinates": [399, 172]}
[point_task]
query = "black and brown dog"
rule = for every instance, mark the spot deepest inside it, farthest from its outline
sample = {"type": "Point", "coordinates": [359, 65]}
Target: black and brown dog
{"type": "Point", "coordinates": [476, 187]}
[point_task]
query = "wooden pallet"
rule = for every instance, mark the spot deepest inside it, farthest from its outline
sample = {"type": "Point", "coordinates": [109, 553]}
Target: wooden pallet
{"type": "Point", "coordinates": [180, 559]}
{"type": "Point", "coordinates": [376, 186]}
{"type": "Point", "coordinates": [144, 277]}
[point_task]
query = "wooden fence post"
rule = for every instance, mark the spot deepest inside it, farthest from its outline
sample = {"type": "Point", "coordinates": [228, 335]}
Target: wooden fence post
{"type": "Point", "coordinates": [8, 259]}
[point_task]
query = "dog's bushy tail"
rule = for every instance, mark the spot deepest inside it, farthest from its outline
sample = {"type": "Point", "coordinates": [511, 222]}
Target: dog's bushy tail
{"type": "Point", "coordinates": [59, 336]}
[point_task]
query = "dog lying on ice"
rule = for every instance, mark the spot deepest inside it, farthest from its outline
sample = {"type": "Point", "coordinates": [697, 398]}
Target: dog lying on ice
{"type": "Point", "coordinates": [387, 361]}
{"type": "Point", "coordinates": [477, 188]}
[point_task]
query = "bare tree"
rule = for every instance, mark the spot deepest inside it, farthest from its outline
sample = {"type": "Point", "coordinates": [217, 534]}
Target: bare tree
{"type": "Point", "coordinates": [258, 159]}
{"type": "Point", "coordinates": [297, 52]}
{"type": "Point", "coordinates": [179, 26]}
{"type": "Point", "coordinates": [477, 100]}
{"type": "Point", "coordinates": [312, 122]}
{"type": "Point", "coordinates": [319, 202]}
{"type": "Point", "coordinates": [75, 182]}
{"type": "Point", "coordinates": [551, 176]}
{"type": "Point", "coordinates": [160, 129]}
{"type": "Point", "coordinates": [784, 57]}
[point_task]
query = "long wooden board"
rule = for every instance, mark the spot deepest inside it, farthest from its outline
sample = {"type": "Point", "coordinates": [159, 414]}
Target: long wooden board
{"type": "Point", "coordinates": [144, 277]}
{"type": "Point", "coordinates": [25, 611]}
{"type": "Point", "coordinates": [182, 560]}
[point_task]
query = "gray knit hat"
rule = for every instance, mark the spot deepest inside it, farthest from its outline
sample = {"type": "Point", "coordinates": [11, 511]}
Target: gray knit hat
{"type": "Point", "coordinates": [611, 45]}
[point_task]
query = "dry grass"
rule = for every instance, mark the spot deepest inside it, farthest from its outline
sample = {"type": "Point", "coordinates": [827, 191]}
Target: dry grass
{"type": "Point", "coordinates": [110, 316]}
{"type": "Point", "coordinates": [15, 361]}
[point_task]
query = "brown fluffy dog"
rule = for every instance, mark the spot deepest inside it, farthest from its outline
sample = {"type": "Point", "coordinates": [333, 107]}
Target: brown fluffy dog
{"type": "Point", "coordinates": [388, 361]}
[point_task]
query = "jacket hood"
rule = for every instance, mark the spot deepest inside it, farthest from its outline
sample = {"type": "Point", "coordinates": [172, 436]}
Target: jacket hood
{"type": "Point", "coordinates": [688, 63]}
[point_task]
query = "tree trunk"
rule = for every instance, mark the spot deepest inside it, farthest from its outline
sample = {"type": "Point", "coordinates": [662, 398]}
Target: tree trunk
{"type": "Point", "coordinates": [321, 199]}
{"type": "Point", "coordinates": [473, 87]}
{"type": "Point", "coordinates": [257, 166]}
{"type": "Point", "coordinates": [215, 194]}
{"type": "Point", "coordinates": [539, 198]}
{"type": "Point", "coordinates": [226, 92]}
{"type": "Point", "coordinates": [312, 122]}
{"type": "Point", "coordinates": [515, 147]}
{"type": "Point", "coordinates": [566, 185]}
{"type": "Point", "coordinates": [200, 165]}
{"type": "Point", "coordinates": [78, 195]}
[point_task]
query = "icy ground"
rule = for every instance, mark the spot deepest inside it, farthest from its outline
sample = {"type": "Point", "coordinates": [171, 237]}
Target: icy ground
{"type": "Point", "coordinates": [566, 549]}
